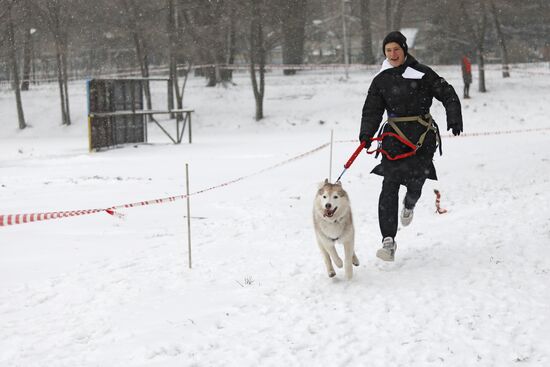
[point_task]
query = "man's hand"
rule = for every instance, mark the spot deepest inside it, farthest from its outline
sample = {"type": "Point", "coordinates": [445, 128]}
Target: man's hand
{"type": "Point", "coordinates": [366, 139]}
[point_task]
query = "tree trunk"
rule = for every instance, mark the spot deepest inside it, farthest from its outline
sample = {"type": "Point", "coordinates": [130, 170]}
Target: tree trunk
{"type": "Point", "coordinates": [141, 48]}
{"type": "Point", "coordinates": [172, 44]}
{"type": "Point", "coordinates": [180, 92]}
{"type": "Point", "coordinates": [397, 15]}
{"type": "Point", "coordinates": [257, 56]}
{"type": "Point", "coordinates": [145, 74]}
{"type": "Point", "coordinates": [388, 9]}
{"type": "Point", "coordinates": [64, 48]}
{"type": "Point", "coordinates": [293, 29]}
{"type": "Point", "coordinates": [501, 41]}
{"type": "Point", "coordinates": [479, 36]}
{"type": "Point", "coordinates": [481, 69]}
{"type": "Point", "coordinates": [210, 73]}
{"type": "Point", "coordinates": [173, 36]}
{"type": "Point", "coordinates": [60, 82]}
{"type": "Point", "coordinates": [59, 31]}
{"type": "Point", "coordinates": [15, 71]}
{"type": "Point", "coordinates": [216, 35]}
{"type": "Point", "coordinates": [480, 49]}
{"type": "Point", "coordinates": [366, 33]}
{"type": "Point", "coordinates": [27, 54]}
{"type": "Point", "coordinates": [227, 74]}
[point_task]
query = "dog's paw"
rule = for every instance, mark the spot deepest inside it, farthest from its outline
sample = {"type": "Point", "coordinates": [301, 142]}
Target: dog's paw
{"type": "Point", "coordinates": [331, 274]}
{"type": "Point", "coordinates": [338, 262]}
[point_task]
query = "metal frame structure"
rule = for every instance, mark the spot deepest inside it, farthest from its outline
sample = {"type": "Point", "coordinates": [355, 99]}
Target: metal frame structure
{"type": "Point", "coordinates": [116, 113]}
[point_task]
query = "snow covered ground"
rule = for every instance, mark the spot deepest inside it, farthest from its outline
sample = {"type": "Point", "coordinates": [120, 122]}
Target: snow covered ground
{"type": "Point", "coordinates": [468, 288]}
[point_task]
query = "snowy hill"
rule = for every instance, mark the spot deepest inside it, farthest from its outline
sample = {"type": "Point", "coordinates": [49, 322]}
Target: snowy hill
{"type": "Point", "coordinates": [468, 288]}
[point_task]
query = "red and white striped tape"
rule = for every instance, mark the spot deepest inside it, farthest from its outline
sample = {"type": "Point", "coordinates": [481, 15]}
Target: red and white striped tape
{"type": "Point", "coordinates": [12, 219]}
{"type": "Point", "coordinates": [178, 197]}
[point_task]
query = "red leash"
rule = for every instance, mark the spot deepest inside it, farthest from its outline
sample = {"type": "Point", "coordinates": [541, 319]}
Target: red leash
{"type": "Point", "coordinates": [398, 156]}
{"type": "Point", "coordinates": [380, 150]}
{"type": "Point", "coordinates": [352, 158]}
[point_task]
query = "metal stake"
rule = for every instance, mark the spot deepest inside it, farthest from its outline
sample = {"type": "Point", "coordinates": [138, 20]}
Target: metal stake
{"type": "Point", "coordinates": [188, 214]}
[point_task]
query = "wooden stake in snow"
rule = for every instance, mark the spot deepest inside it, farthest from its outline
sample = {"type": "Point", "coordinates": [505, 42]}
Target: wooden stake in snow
{"type": "Point", "coordinates": [188, 214]}
{"type": "Point", "coordinates": [330, 161]}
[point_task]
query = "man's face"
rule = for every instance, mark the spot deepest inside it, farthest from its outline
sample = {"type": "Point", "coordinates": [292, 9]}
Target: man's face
{"type": "Point", "coordinates": [394, 54]}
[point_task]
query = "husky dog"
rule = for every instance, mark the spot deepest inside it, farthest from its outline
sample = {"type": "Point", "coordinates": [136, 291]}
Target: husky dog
{"type": "Point", "coordinates": [333, 223]}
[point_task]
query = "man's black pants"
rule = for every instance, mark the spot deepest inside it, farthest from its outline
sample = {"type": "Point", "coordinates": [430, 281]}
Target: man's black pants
{"type": "Point", "coordinates": [388, 204]}
{"type": "Point", "coordinates": [467, 90]}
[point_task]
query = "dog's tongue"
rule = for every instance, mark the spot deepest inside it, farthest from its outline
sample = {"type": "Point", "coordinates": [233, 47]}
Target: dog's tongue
{"type": "Point", "coordinates": [329, 213]}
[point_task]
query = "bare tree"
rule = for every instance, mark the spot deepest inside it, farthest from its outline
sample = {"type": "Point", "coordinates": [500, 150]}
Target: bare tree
{"type": "Point", "coordinates": [397, 14]}
{"type": "Point", "coordinates": [477, 30]}
{"type": "Point", "coordinates": [27, 45]}
{"type": "Point", "coordinates": [220, 44]}
{"type": "Point", "coordinates": [227, 74]}
{"type": "Point", "coordinates": [56, 15]}
{"type": "Point", "coordinates": [388, 11]}
{"type": "Point", "coordinates": [366, 32]}
{"type": "Point", "coordinates": [211, 27]}
{"type": "Point", "coordinates": [173, 47]}
{"type": "Point", "coordinates": [501, 40]}
{"type": "Point", "coordinates": [140, 44]}
{"type": "Point", "coordinates": [293, 25]}
{"type": "Point", "coordinates": [14, 65]}
{"type": "Point", "coordinates": [257, 54]}
{"type": "Point", "coordinates": [394, 13]}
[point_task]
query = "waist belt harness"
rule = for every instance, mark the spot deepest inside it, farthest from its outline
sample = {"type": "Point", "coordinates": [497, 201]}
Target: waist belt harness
{"type": "Point", "coordinates": [424, 120]}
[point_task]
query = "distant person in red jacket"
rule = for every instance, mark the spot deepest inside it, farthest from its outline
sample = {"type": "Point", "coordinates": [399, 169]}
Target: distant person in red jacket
{"type": "Point", "coordinates": [466, 75]}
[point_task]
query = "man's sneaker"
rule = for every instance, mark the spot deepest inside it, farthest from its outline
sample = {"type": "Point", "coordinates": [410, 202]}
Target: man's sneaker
{"type": "Point", "coordinates": [387, 252]}
{"type": "Point", "coordinates": [406, 216]}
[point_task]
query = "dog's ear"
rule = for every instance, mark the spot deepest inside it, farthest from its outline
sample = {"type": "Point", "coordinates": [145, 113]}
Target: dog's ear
{"type": "Point", "coordinates": [340, 189]}
{"type": "Point", "coordinates": [326, 181]}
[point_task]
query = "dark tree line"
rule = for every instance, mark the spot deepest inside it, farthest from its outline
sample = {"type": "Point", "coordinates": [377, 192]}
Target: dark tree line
{"type": "Point", "coordinates": [78, 38]}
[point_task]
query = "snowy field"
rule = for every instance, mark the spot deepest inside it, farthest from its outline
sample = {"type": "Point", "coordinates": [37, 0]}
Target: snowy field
{"type": "Point", "coordinates": [468, 288]}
